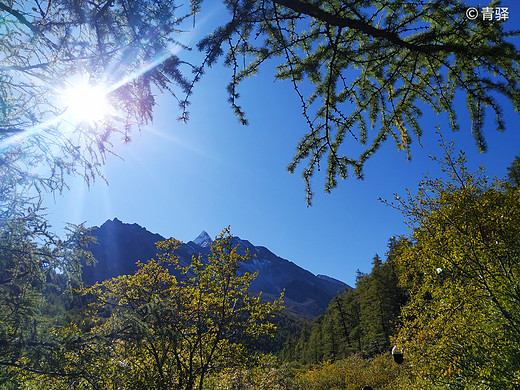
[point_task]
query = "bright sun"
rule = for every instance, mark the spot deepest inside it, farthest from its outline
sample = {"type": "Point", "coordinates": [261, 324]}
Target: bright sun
{"type": "Point", "coordinates": [85, 103]}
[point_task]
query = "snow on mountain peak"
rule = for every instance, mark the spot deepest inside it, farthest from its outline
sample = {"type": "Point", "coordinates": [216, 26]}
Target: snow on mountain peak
{"type": "Point", "coordinates": [203, 239]}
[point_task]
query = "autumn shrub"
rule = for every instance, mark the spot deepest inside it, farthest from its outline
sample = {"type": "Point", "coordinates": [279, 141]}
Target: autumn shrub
{"type": "Point", "coordinates": [266, 374]}
{"type": "Point", "coordinates": [353, 373]}
{"type": "Point", "coordinates": [461, 266]}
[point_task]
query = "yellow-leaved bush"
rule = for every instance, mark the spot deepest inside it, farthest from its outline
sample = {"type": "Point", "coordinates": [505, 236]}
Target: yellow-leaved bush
{"type": "Point", "coordinates": [461, 265]}
{"type": "Point", "coordinates": [154, 330]}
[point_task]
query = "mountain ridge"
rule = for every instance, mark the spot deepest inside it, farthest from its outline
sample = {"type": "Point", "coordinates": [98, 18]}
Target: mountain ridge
{"type": "Point", "coordinates": [120, 245]}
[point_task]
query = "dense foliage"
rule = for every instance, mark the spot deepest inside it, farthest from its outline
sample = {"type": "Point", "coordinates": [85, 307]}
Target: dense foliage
{"type": "Point", "coordinates": [447, 296]}
{"type": "Point", "coordinates": [46, 46]}
{"type": "Point", "coordinates": [462, 268]}
{"type": "Point", "coordinates": [36, 268]}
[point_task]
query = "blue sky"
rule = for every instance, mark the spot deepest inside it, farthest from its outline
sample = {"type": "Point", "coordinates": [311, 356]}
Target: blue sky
{"type": "Point", "coordinates": [177, 179]}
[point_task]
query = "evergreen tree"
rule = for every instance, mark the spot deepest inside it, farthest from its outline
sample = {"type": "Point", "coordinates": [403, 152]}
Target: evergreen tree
{"type": "Point", "coordinates": [351, 317]}
{"type": "Point", "coordinates": [380, 299]}
{"type": "Point", "coordinates": [360, 320]}
{"type": "Point", "coordinates": [513, 172]}
{"type": "Point", "coordinates": [301, 346]}
{"type": "Point", "coordinates": [314, 351]}
{"type": "Point", "coordinates": [330, 337]}
{"type": "Point", "coordinates": [344, 321]}
{"type": "Point", "coordinates": [371, 316]}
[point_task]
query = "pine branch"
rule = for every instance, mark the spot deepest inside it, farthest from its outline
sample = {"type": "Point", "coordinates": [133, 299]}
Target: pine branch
{"type": "Point", "coordinates": [20, 18]}
{"type": "Point", "coordinates": [314, 11]}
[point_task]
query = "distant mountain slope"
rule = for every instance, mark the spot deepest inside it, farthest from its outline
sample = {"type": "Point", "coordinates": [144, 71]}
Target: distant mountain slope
{"type": "Point", "coordinates": [120, 245]}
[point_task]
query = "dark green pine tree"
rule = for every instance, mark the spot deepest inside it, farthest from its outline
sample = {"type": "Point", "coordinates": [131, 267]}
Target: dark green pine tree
{"type": "Point", "coordinates": [371, 321]}
{"type": "Point", "coordinates": [513, 173]}
{"type": "Point", "coordinates": [345, 309]}
{"type": "Point", "coordinates": [351, 317]}
{"type": "Point", "coordinates": [302, 344]}
{"type": "Point", "coordinates": [397, 295]}
{"type": "Point", "coordinates": [330, 335]}
{"type": "Point", "coordinates": [314, 351]}
{"type": "Point", "coordinates": [288, 352]}
{"type": "Point", "coordinates": [380, 299]}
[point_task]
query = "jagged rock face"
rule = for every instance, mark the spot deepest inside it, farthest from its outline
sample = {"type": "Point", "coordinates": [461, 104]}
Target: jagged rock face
{"type": "Point", "coordinates": [203, 240]}
{"type": "Point", "coordinates": [121, 245]}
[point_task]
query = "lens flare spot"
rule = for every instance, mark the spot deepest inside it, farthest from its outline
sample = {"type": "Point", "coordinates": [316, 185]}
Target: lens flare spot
{"type": "Point", "coordinates": [86, 103]}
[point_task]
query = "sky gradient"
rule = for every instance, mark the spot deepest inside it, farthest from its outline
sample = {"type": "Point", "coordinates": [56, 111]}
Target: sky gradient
{"type": "Point", "coordinates": [177, 179]}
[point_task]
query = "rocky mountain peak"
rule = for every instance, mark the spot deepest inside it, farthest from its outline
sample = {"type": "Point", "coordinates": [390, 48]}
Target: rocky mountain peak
{"type": "Point", "coordinates": [203, 239]}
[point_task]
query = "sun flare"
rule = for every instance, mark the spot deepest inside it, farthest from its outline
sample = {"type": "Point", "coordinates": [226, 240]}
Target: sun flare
{"type": "Point", "coordinates": [86, 103]}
